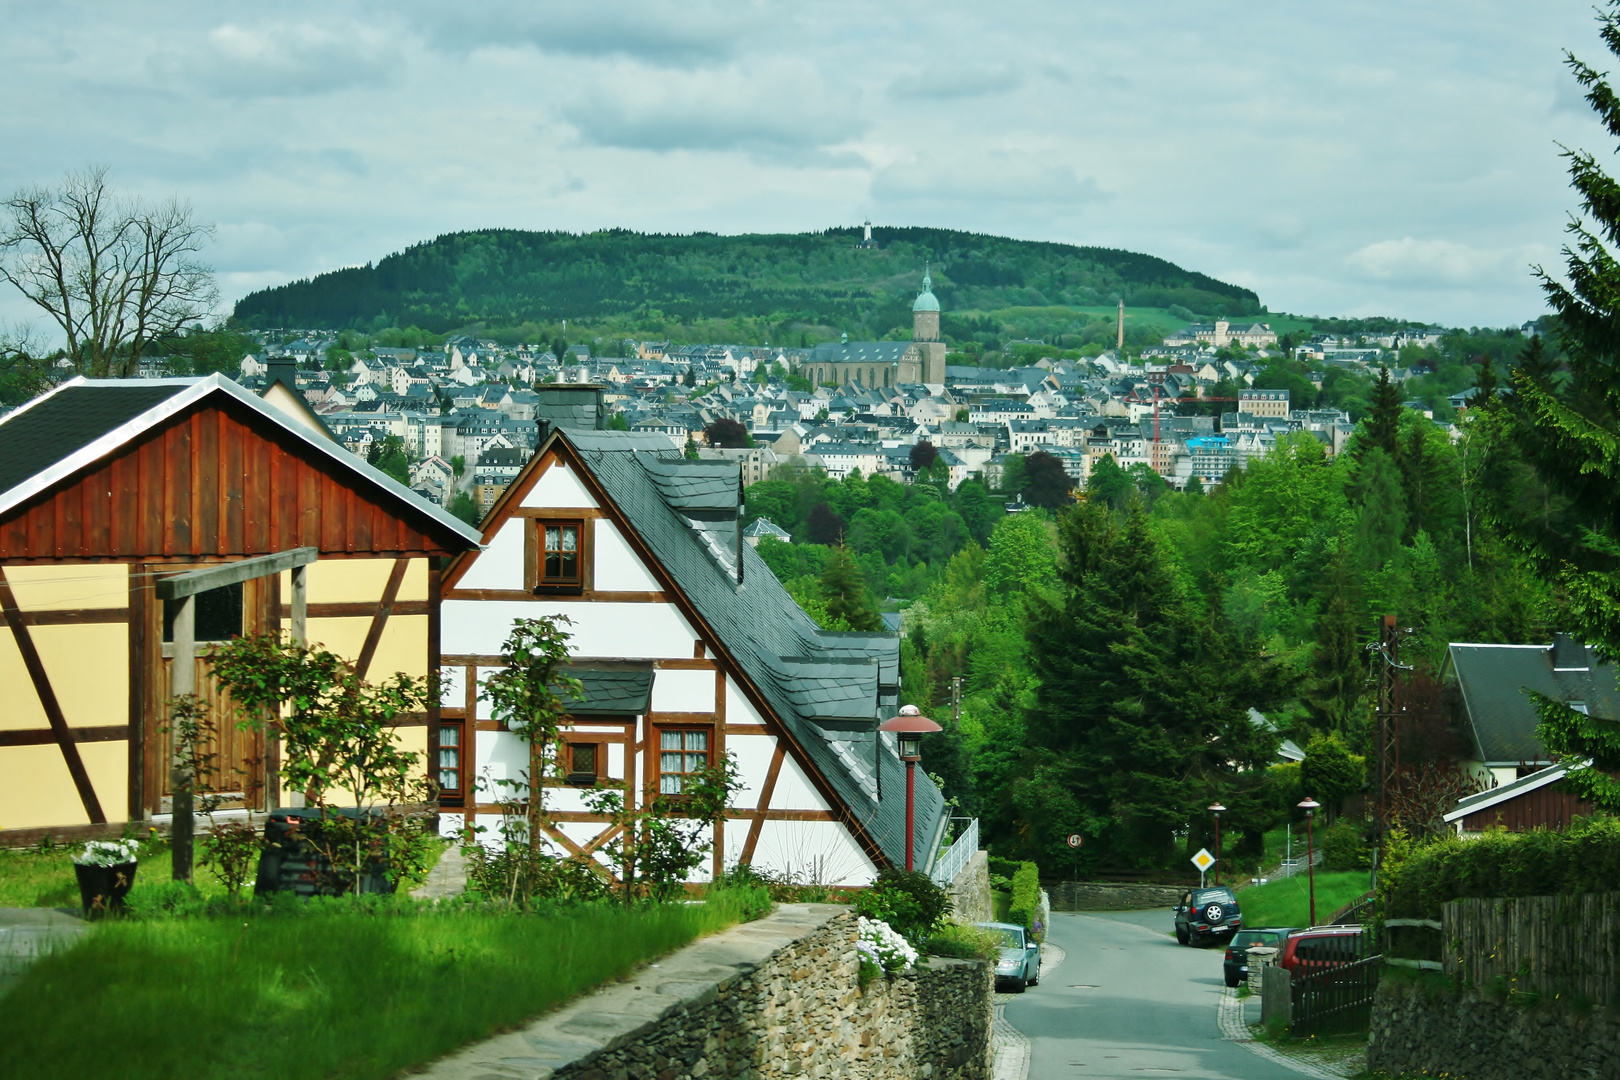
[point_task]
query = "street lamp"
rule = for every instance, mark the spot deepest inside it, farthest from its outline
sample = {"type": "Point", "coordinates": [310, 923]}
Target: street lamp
{"type": "Point", "coordinates": [1310, 806]}
{"type": "Point", "coordinates": [1217, 809]}
{"type": "Point", "coordinates": [909, 726]}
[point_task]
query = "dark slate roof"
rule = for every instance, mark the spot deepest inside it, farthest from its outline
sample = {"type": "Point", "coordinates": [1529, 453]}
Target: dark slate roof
{"type": "Point", "coordinates": [697, 485]}
{"type": "Point", "coordinates": [859, 352]}
{"type": "Point", "coordinates": [36, 437]}
{"type": "Point", "coordinates": [828, 689]}
{"type": "Point", "coordinates": [1494, 680]}
{"type": "Point", "coordinates": [615, 691]}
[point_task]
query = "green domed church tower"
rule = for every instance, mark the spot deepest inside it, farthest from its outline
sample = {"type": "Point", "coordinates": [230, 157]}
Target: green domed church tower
{"type": "Point", "coordinates": [925, 332]}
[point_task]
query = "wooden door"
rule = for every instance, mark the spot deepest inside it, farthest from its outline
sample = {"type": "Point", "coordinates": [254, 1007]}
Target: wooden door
{"type": "Point", "coordinates": [237, 771]}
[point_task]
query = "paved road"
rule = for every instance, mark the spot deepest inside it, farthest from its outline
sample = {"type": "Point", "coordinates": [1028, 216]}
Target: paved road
{"type": "Point", "coordinates": [1128, 1002]}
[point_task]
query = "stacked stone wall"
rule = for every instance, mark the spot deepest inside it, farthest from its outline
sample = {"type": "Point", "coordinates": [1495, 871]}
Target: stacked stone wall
{"type": "Point", "coordinates": [777, 998]}
{"type": "Point", "coordinates": [1104, 896]}
{"type": "Point", "coordinates": [970, 891]}
{"type": "Point", "coordinates": [1432, 1032]}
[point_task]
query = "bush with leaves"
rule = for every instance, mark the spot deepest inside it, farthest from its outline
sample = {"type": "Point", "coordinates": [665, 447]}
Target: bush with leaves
{"type": "Point", "coordinates": [1025, 909]}
{"type": "Point", "coordinates": [1344, 847]}
{"type": "Point", "coordinates": [229, 848]}
{"type": "Point", "coordinates": [908, 901]}
{"type": "Point", "coordinates": [963, 941]}
{"type": "Point", "coordinates": [338, 742]}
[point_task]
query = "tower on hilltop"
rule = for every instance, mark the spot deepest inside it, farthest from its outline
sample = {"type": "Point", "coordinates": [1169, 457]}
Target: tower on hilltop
{"type": "Point", "coordinates": [925, 312]}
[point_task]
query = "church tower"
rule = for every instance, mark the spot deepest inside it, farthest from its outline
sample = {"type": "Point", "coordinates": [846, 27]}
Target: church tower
{"type": "Point", "coordinates": [925, 333]}
{"type": "Point", "coordinates": [925, 312]}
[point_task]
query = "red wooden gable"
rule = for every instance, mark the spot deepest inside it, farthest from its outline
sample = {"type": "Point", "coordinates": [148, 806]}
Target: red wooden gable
{"type": "Point", "coordinates": [217, 479]}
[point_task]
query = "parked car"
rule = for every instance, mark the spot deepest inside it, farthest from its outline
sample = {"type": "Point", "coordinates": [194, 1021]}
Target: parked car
{"type": "Point", "coordinates": [1237, 950]}
{"type": "Point", "coordinates": [1320, 947]}
{"type": "Point", "coordinates": [1206, 914]}
{"type": "Point", "coordinates": [1019, 963]}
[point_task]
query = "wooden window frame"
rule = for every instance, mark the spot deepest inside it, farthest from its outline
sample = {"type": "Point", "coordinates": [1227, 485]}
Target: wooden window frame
{"type": "Point", "coordinates": [535, 555]}
{"type": "Point", "coordinates": [458, 797]}
{"type": "Point", "coordinates": [655, 767]}
{"type": "Point", "coordinates": [580, 777]}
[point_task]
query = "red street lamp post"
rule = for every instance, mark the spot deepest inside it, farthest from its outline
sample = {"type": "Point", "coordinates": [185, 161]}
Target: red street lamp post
{"type": "Point", "coordinates": [909, 727]}
{"type": "Point", "coordinates": [1217, 809]}
{"type": "Point", "coordinates": [1310, 806]}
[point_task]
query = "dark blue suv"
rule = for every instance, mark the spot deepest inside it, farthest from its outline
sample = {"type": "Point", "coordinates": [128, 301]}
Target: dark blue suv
{"type": "Point", "coordinates": [1207, 915]}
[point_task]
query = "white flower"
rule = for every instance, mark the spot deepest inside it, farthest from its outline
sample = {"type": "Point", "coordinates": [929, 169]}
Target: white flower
{"type": "Point", "coordinates": [879, 941]}
{"type": "Point", "coordinates": [108, 853]}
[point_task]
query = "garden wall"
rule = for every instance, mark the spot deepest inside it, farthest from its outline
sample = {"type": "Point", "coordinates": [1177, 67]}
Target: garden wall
{"type": "Point", "coordinates": [1427, 1031]}
{"type": "Point", "coordinates": [970, 890]}
{"type": "Point", "coordinates": [1103, 896]}
{"type": "Point", "coordinates": [774, 998]}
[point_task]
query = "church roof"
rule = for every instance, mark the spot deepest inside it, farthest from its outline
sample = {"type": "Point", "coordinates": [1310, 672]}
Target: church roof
{"type": "Point", "coordinates": [926, 300]}
{"type": "Point", "coordinates": [859, 352]}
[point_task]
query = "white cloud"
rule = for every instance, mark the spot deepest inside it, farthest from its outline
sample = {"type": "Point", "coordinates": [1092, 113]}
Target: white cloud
{"type": "Point", "coordinates": [1410, 261]}
{"type": "Point", "coordinates": [278, 59]}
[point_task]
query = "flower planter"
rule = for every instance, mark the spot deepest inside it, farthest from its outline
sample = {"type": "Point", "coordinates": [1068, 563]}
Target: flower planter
{"type": "Point", "coordinates": [103, 888]}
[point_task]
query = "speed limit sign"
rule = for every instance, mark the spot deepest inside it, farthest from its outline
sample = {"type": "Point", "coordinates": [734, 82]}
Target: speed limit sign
{"type": "Point", "coordinates": [1074, 840]}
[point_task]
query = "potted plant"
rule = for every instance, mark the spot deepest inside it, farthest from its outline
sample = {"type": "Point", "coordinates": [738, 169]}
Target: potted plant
{"type": "Point", "coordinates": [106, 870]}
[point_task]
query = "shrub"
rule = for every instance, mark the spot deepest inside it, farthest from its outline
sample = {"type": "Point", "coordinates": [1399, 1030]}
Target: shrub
{"type": "Point", "coordinates": [908, 901]}
{"type": "Point", "coordinates": [1344, 848]}
{"type": "Point", "coordinates": [1026, 900]}
{"type": "Point", "coordinates": [1584, 858]}
{"type": "Point", "coordinates": [963, 941]}
{"type": "Point", "coordinates": [882, 949]}
{"type": "Point", "coordinates": [741, 902]}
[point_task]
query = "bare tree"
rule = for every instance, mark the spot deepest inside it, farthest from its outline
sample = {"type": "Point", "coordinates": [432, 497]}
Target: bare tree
{"type": "Point", "coordinates": [115, 274]}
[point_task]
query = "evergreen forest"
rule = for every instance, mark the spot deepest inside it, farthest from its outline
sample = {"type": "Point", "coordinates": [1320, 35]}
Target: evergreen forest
{"type": "Point", "coordinates": [785, 289]}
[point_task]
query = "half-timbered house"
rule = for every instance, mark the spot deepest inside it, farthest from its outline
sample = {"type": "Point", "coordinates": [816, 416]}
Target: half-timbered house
{"type": "Point", "coordinates": [106, 487]}
{"type": "Point", "coordinates": [688, 648]}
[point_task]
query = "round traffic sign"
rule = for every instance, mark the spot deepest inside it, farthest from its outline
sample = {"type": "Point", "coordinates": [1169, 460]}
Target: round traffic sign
{"type": "Point", "coordinates": [1074, 839]}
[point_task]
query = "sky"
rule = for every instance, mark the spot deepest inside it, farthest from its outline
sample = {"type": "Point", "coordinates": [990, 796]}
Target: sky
{"type": "Point", "coordinates": [1392, 158]}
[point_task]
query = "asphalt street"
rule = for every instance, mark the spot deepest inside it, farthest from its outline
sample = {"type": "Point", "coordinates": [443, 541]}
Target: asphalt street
{"type": "Point", "coordinates": [1129, 1002]}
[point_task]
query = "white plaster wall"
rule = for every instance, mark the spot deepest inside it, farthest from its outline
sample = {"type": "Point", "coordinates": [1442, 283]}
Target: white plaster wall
{"type": "Point", "coordinates": [652, 631]}
{"type": "Point", "coordinates": [753, 762]}
{"type": "Point", "coordinates": [615, 755]}
{"type": "Point", "coordinates": [501, 756]}
{"type": "Point", "coordinates": [683, 691]}
{"type": "Point", "coordinates": [617, 567]}
{"type": "Point", "coordinates": [567, 799]}
{"type": "Point", "coordinates": [794, 791]}
{"type": "Point", "coordinates": [499, 566]}
{"type": "Point", "coordinates": [452, 687]}
{"type": "Point", "coordinates": [821, 851]}
{"type": "Point", "coordinates": [558, 488]}
{"type": "Point", "coordinates": [739, 710]}
{"type": "Point", "coordinates": [451, 825]}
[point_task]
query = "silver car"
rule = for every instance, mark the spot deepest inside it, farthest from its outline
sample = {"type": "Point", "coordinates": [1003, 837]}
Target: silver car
{"type": "Point", "coordinates": [1019, 963]}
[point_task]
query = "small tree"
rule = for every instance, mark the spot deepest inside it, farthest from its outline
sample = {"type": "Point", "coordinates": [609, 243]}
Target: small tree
{"type": "Point", "coordinates": [338, 740]}
{"type": "Point", "coordinates": [527, 695]}
{"type": "Point", "coordinates": [923, 456]}
{"type": "Point", "coordinates": [843, 588]}
{"type": "Point", "coordinates": [728, 433]}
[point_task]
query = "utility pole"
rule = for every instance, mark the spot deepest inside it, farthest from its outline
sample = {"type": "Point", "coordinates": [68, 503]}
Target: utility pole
{"type": "Point", "coordinates": [956, 699]}
{"type": "Point", "coordinates": [1120, 346]}
{"type": "Point", "coordinates": [1388, 726]}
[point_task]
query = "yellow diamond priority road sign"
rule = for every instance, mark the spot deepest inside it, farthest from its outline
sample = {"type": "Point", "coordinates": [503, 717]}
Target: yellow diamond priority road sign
{"type": "Point", "coordinates": [1203, 860]}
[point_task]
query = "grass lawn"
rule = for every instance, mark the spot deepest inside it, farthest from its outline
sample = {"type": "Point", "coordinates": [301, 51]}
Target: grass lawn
{"type": "Point", "coordinates": [332, 989]}
{"type": "Point", "coordinates": [1286, 901]}
{"type": "Point", "coordinates": [31, 877]}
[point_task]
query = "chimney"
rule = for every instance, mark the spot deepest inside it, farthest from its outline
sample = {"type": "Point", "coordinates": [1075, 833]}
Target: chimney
{"type": "Point", "coordinates": [282, 369]}
{"type": "Point", "coordinates": [573, 406]}
{"type": "Point", "coordinates": [1569, 654]}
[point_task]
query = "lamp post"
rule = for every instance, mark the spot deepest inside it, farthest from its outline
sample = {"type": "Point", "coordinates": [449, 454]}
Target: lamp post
{"type": "Point", "coordinates": [909, 726]}
{"type": "Point", "coordinates": [1217, 809]}
{"type": "Point", "coordinates": [1310, 806]}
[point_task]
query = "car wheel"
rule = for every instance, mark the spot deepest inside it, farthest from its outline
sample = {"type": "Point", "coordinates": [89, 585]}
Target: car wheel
{"type": "Point", "coordinates": [1233, 980]}
{"type": "Point", "coordinates": [1018, 985]}
{"type": "Point", "coordinates": [1036, 981]}
{"type": "Point", "coordinates": [1181, 935]}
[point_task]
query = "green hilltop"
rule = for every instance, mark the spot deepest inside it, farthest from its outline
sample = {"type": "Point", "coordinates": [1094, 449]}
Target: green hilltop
{"type": "Point", "coordinates": [782, 288]}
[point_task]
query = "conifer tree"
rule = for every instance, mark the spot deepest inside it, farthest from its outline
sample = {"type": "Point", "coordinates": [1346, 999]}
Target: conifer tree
{"type": "Point", "coordinates": [1565, 429]}
{"type": "Point", "coordinates": [1383, 424]}
{"type": "Point", "coordinates": [843, 589]}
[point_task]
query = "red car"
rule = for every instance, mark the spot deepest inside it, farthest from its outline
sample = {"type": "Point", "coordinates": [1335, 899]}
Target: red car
{"type": "Point", "coordinates": [1320, 947]}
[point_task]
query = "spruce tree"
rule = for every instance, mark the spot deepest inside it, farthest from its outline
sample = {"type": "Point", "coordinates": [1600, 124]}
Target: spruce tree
{"type": "Point", "coordinates": [1382, 428]}
{"type": "Point", "coordinates": [843, 589]}
{"type": "Point", "coordinates": [1564, 424]}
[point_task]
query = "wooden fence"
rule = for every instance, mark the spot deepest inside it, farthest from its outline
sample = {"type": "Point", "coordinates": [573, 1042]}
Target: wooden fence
{"type": "Point", "coordinates": [1335, 1000]}
{"type": "Point", "coordinates": [1563, 946]}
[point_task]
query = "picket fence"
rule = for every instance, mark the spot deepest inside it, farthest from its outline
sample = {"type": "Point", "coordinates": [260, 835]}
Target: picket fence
{"type": "Point", "coordinates": [1547, 946]}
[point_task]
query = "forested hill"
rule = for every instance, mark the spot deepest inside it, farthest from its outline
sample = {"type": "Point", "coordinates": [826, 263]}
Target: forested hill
{"type": "Point", "coordinates": [509, 278]}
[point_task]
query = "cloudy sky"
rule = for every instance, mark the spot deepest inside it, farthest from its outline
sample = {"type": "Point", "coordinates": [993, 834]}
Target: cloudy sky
{"type": "Point", "coordinates": [1347, 158]}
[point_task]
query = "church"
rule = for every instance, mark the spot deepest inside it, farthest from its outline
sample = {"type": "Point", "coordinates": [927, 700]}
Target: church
{"type": "Point", "coordinates": [874, 364]}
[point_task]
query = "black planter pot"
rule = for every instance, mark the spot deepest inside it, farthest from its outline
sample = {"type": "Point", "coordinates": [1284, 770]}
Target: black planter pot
{"type": "Point", "coordinates": [103, 888]}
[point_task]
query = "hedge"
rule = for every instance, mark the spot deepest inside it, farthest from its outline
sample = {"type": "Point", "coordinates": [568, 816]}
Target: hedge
{"type": "Point", "coordinates": [1415, 882]}
{"type": "Point", "coordinates": [1025, 908]}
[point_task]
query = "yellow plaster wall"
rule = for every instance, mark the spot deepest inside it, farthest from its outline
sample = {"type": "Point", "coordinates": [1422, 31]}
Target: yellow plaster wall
{"type": "Point", "coordinates": [58, 587]}
{"type": "Point", "coordinates": [88, 666]}
{"type": "Point", "coordinates": [348, 581]}
{"type": "Point", "coordinates": [19, 705]}
{"type": "Point", "coordinates": [38, 791]}
{"type": "Point", "coordinates": [403, 647]}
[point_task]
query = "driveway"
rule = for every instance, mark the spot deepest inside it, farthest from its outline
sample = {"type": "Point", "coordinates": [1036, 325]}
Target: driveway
{"type": "Point", "coordinates": [1129, 1002]}
{"type": "Point", "coordinates": [28, 933]}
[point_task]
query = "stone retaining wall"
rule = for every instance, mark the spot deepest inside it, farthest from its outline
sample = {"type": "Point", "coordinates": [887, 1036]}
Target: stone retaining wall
{"type": "Point", "coordinates": [970, 891]}
{"type": "Point", "coordinates": [1103, 896]}
{"type": "Point", "coordinates": [1434, 1032]}
{"type": "Point", "coordinates": [774, 998]}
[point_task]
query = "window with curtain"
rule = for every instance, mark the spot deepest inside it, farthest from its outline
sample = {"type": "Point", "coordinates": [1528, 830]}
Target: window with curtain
{"type": "Point", "coordinates": [682, 753]}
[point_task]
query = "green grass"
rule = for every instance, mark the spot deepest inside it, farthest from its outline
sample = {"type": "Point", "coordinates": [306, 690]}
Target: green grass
{"type": "Point", "coordinates": [331, 989]}
{"type": "Point", "coordinates": [34, 877]}
{"type": "Point", "coordinates": [1286, 901]}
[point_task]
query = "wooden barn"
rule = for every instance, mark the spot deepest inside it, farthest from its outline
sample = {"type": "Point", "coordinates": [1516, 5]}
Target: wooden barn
{"type": "Point", "coordinates": [106, 487]}
{"type": "Point", "coordinates": [688, 648]}
{"type": "Point", "coordinates": [1536, 801]}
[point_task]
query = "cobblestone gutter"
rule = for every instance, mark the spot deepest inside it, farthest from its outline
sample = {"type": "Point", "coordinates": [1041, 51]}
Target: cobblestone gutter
{"type": "Point", "coordinates": [774, 998]}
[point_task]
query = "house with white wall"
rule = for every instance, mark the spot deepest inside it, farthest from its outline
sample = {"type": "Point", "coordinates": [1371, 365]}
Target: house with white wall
{"type": "Point", "coordinates": [688, 649]}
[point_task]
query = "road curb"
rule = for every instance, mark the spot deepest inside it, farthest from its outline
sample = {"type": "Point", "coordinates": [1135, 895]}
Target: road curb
{"type": "Point", "coordinates": [1229, 1017]}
